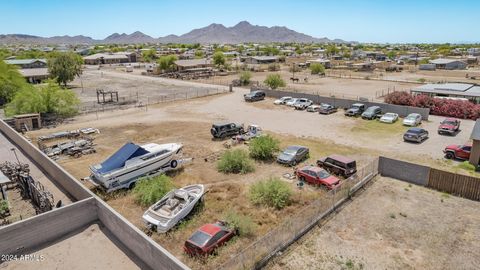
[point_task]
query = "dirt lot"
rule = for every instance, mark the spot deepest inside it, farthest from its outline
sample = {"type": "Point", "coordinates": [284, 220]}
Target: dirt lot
{"type": "Point", "coordinates": [189, 122]}
{"type": "Point", "coordinates": [78, 251]}
{"type": "Point", "coordinates": [392, 225]}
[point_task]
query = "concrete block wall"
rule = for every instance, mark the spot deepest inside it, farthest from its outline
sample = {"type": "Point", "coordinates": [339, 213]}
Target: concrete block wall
{"type": "Point", "coordinates": [142, 246]}
{"type": "Point", "coordinates": [405, 171]}
{"type": "Point", "coordinates": [56, 173]}
{"type": "Point", "coordinates": [29, 234]}
{"type": "Point", "coordinates": [345, 103]}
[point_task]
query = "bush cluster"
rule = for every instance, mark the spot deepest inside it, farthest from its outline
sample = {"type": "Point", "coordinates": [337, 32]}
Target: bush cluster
{"type": "Point", "coordinates": [272, 192]}
{"type": "Point", "coordinates": [443, 107]}
{"type": "Point", "coordinates": [235, 161]}
{"type": "Point", "coordinates": [243, 224]}
{"type": "Point", "coordinates": [149, 190]}
{"type": "Point", "coordinates": [264, 147]}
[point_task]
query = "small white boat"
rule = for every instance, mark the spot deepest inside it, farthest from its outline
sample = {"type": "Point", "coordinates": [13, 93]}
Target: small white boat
{"type": "Point", "coordinates": [173, 207]}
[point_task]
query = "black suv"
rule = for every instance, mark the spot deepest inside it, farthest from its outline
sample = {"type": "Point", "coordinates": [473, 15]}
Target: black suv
{"type": "Point", "coordinates": [339, 165]}
{"type": "Point", "coordinates": [220, 131]}
{"type": "Point", "coordinates": [254, 96]}
{"type": "Point", "coordinates": [355, 110]}
{"type": "Point", "coordinates": [372, 112]}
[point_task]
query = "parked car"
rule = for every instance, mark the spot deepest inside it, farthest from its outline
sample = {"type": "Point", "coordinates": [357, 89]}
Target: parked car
{"type": "Point", "coordinates": [254, 96]}
{"type": "Point", "coordinates": [355, 110]}
{"type": "Point", "coordinates": [302, 103]}
{"type": "Point", "coordinates": [291, 102]}
{"type": "Point", "coordinates": [317, 176]}
{"type": "Point", "coordinates": [413, 120]}
{"type": "Point", "coordinates": [282, 100]}
{"type": "Point", "coordinates": [389, 118]}
{"type": "Point", "coordinates": [455, 151]}
{"type": "Point", "coordinates": [327, 109]}
{"type": "Point", "coordinates": [415, 135]}
{"type": "Point", "coordinates": [449, 126]}
{"type": "Point", "coordinates": [293, 155]}
{"type": "Point", "coordinates": [313, 108]}
{"type": "Point", "coordinates": [220, 131]}
{"type": "Point", "coordinates": [372, 112]}
{"type": "Point", "coordinates": [207, 238]}
{"type": "Point", "coordinates": [338, 165]}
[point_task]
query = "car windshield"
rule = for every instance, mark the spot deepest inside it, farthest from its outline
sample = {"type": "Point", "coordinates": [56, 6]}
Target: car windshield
{"type": "Point", "coordinates": [199, 238]}
{"type": "Point", "coordinates": [448, 122]}
{"type": "Point", "coordinates": [323, 174]}
{"type": "Point", "coordinates": [414, 131]}
{"type": "Point", "coordinates": [290, 151]}
{"type": "Point", "coordinates": [411, 117]}
{"type": "Point", "coordinates": [371, 109]}
{"type": "Point", "coordinates": [389, 115]}
{"type": "Point", "coordinates": [325, 106]}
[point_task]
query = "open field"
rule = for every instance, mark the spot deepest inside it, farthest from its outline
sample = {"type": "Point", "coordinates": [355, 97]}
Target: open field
{"type": "Point", "coordinates": [90, 248]}
{"type": "Point", "coordinates": [392, 225]}
{"type": "Point", "coordinates": [189, 122]}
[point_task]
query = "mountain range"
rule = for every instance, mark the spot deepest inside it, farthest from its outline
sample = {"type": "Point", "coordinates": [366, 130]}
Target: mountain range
{"type": "Point", "coordinates": [214, 33]}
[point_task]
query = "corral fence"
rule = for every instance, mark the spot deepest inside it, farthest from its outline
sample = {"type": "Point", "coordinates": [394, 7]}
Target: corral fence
{"type": "Point", "coordinates": [453, 183]}
{"type": "Point", "coordinates": [402, 111]}
{"type": "Point", "coordinates": [262, 250]}
{"type": "Point", "coordinates": [141, 100]}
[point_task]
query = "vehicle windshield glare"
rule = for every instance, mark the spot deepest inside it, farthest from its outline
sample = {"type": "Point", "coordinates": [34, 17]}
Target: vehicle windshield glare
{"type": "Point", "coordinates": [448, 122]}
{"type": "Point", "coordinates": [290, 151]}
{"type": "Point", "coordinates": [199, 238]}
{"type": "Point", "coordinates": [323, 174]}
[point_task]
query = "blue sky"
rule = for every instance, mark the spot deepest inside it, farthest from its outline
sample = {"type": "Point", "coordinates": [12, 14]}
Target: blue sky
{"type": "Point", "coordinates": [365, 21]}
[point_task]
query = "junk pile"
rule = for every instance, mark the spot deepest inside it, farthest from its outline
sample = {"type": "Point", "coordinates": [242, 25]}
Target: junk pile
{"type": "Point", "coordinates": [19, 174]}
{"type": "Point", "coordinates": [80, 143]}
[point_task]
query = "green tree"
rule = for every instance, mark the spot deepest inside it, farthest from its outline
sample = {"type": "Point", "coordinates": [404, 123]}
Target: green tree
{"type": "Point", "coordinates": [317, 68]}
{"type": "Point", "coordinates": [11, 81]}
{"type": "Point", "coordinates": [199, 54]}
{"type": "Point", "coordinates": [219, 59]}
{"type": "Point", "coordinates": [48, 98]}
{"type": "Point", "coordinates": [148, 190]}
{"type": "Point", "coordinates": [264, 147]}
{"type": "Point", "coordinates": [245, 77]}
{"type": "Point", "coordinates": [63, 67]}
{"type": "Point", "coordinates": [331, 50]}
{"type": "Point", "coordinates": [149, 56]}
{"type": "Point", "coordinates": [391, 54]}
{"type": "Point", "coordinates": [274, 81]}
{"type": "Point", "coordinates": [166, 63]}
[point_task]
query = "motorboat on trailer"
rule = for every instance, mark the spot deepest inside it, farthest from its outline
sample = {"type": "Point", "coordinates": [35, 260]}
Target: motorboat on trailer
{"type": "Point", "coordinates": [132, 161]}
{"type": "Point", "coordinates": [173, 207]}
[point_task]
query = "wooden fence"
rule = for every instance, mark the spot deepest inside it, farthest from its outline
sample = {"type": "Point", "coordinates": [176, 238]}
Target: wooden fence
{"type": "Point", "coordinates": [455, 184]}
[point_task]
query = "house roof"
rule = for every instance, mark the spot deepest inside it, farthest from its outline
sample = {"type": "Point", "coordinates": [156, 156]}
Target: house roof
{"type": "Point", "coordinates": [476, 131]}
{"type": "Point", "coordinates": [443, 61]}
{"type": "Point", "coordinates": [264, 58]}
{"type": "Point", "coordinates": [106, 56]}
{"type": "Point", "coordinates": [34, 72]}
{"type": "Point", "coordinates": [192, 62]}
{"type": "Point", "coordinates": [24, 61]}
{"type": "Point", "coordinates": [461, 89]}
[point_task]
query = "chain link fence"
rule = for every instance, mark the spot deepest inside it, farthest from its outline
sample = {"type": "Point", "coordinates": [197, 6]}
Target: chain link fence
{"type": "Point", "coordinates": [139, 100]}
{"type": "Point", "coordinates": [258, 253]}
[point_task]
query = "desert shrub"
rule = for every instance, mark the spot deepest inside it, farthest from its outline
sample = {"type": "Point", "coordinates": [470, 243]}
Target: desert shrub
{"type": "Point", "coordinates": [245, 77]}
{"type": "Point", "coordinates": [243, 224]}
{"type": "Point", "coordinates": [235, 161]}
{"type": "Point", "coordinates": [3, 207]}
{"type": "Point", "coordinates": [272, 192]}
{"type": "Point", "coordinates": [274, 81]}
{"type": "Point", "coordinates": [149, 190]}
{"type": "Point", "coordinates": [422, 80]}
{"type": "Point", "coordinates": [466, 166]}
{"type": "Point", "coordinates": [264, 147]}
{"type": "Point", "coordinates": [399, 98]}
{"type": "Point", "coordinates": [273, 67]}
{"type": "Point", "coordinates": [317, 68]}
{"type": "Point", "coordinates": [294, 68]}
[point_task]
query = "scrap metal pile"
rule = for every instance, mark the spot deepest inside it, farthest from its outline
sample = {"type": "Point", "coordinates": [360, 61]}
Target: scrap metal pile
{"type": "Point", "coordinates": [80, 145]}
{"type": "Point", "coordinates": [19, 174]}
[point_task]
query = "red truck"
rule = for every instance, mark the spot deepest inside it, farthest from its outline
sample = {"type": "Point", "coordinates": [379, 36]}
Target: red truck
{"type": "Point", "coordinates": [317, 176]}
{"type": "Point", "coordinates": [455, 151]}
{"type": "Point", "coordinates": [449, 126]}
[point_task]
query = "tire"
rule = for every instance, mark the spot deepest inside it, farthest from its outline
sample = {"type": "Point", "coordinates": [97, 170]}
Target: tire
{"type": "Point", "coordinates": [213, 132]}
{"type": "Point", "coordinates": [302, 179]}
{"type": "Point", "coordinates": [293, 163]}
{"type": "Point", "coordinates": [449, 155]}
{"type": "Point", "coordinates": [173, 164]}
{"type": "Point", "coordinates": [131, 185]}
